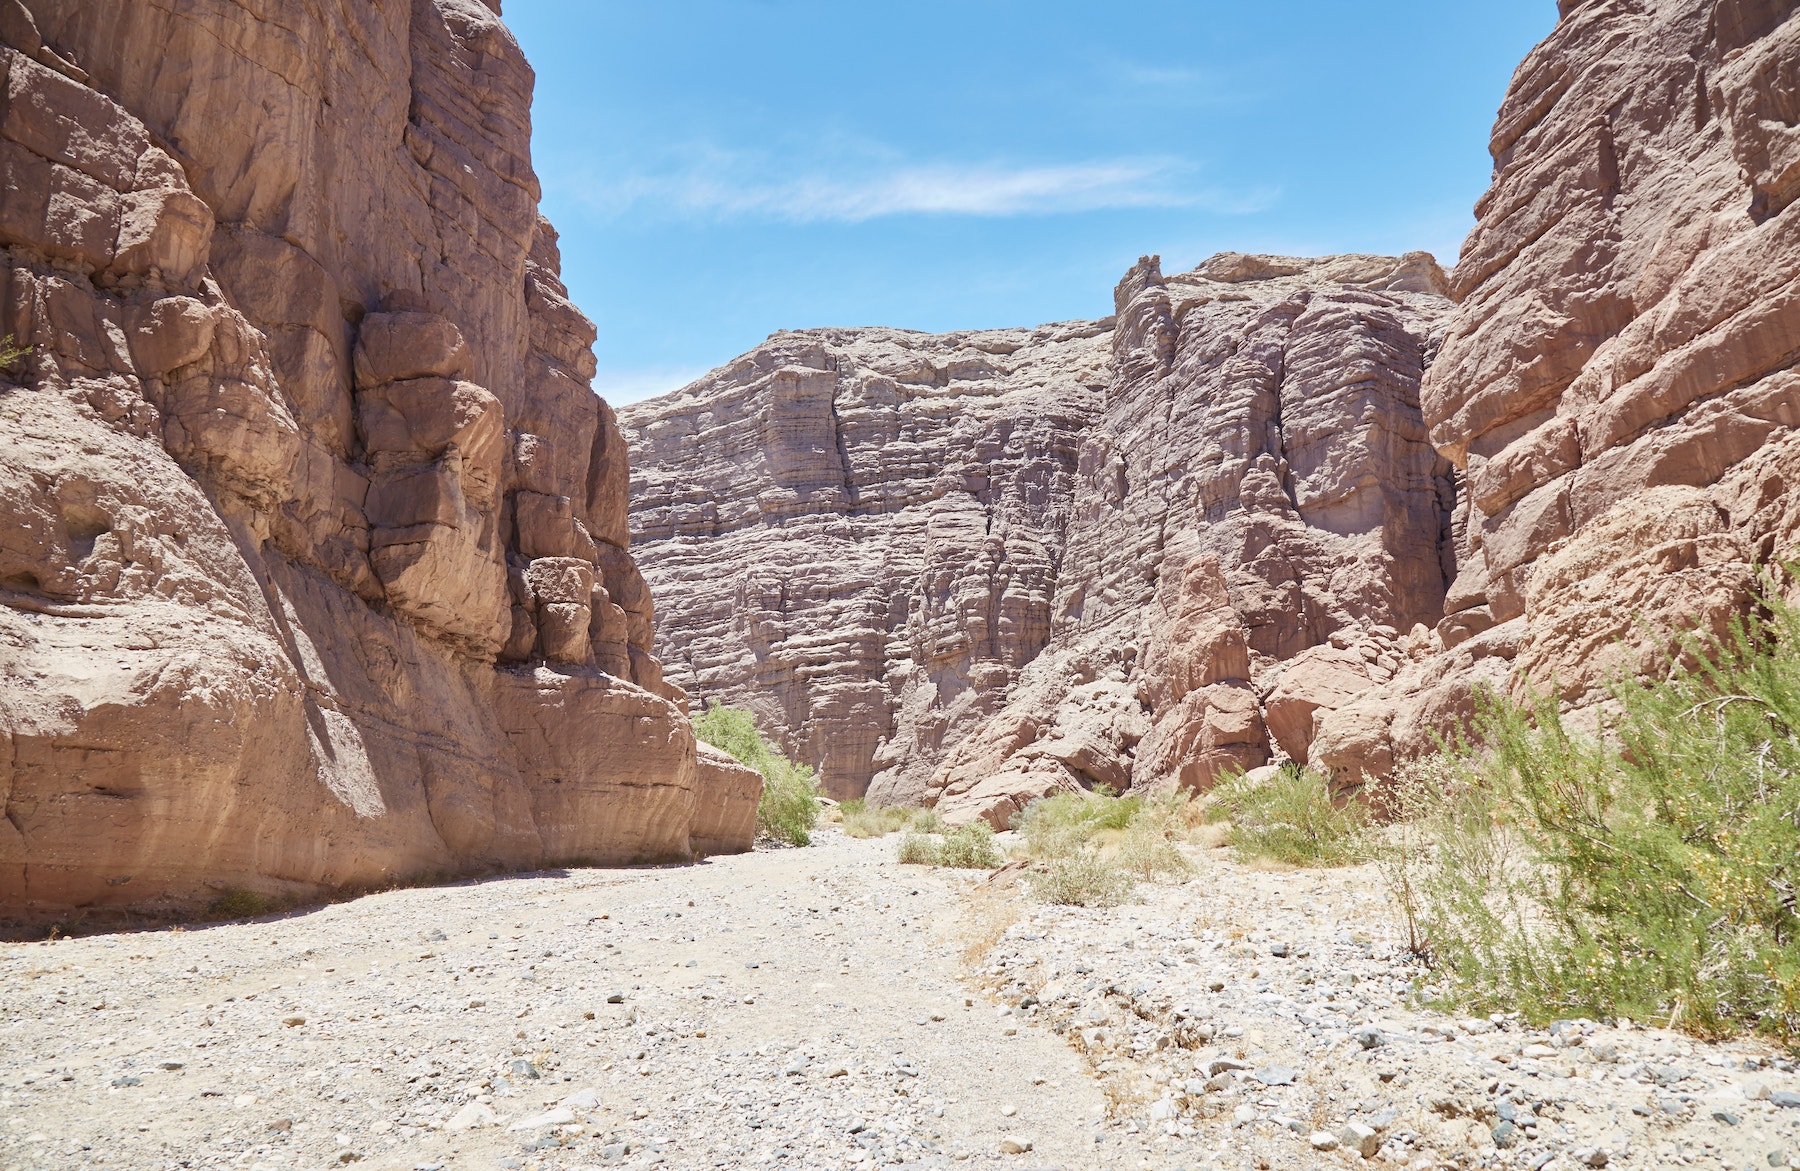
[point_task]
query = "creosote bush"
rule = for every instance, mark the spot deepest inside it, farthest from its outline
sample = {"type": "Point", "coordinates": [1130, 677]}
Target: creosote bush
{"type": "Point", "coordinates": [967, 847]}
{"type": "Point", "coordinates": [1650, 872]}
{"type": "Point", "coordinates": [789, 809]}
{"type": "Point", "coordinates": [1292, 817]}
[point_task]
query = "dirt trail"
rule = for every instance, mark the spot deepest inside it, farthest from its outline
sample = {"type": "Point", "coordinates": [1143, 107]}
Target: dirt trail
{"type": "Point", "coordinates": [794, 1006]}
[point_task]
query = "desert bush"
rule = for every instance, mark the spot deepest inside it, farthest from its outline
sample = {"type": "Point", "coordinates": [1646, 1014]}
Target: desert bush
{"type": "Point", "coordinates": [1082, 879]}
{"type": "Point", "coordinates": [1292, 817]}
{"type": "Point", "coordinates": [1057, 825]}
{"type": "Point", "coordinates": [11, 354]}
{"type": "Point", "coordinates": [1147, 847]}
{"type": "Point", "coordinates": [861, 820]}
{"type": "Point", "coordinates": [789, 809]}
{"type": "Point", "coordinates": [1650, 871]}
{"type": "Point", "coordinates": [237, 903]}
{"type": "Point", "coordinates": [918, 849]}
{"type": "Point", "coordinates": [970, 847]}
{"type": "Point", "coordinates": [1097, 846]}
{"type": "Point", "coordinates": [967, 847]}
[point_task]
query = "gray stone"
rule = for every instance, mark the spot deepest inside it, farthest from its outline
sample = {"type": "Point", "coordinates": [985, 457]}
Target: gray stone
{"type": "Point", "coordinates": [1359, 1138]}
{"type": "Point", "coordinates": [1275, 1075]}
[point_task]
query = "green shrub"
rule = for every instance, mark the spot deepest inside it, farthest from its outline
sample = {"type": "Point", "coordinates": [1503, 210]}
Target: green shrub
{"type": "Point", "coordinates": [1082, 879]}
{"type": "Point", "coordinates": [1097, 846]}
{"type": "Point", "coordinates": [1292, 817]}
{"type": "Point", "coordinates": [861, 820]}
{"type": "Point", "coordinates": [237, 903]}
{"type": "Point", "coordinates": [1650, 872]}
{"type": "Point", "coordinates": [1057, 825]}
{"type": "Point", "coordinates": [789, 809]}
{"type": "Point", "coordinates": [967, 847]}
{"type": "Point", "coordinates": [11, 354]}
{"type": "Point", "coordinates": [919, 849]}
{"type": "Point", "coordinates": [970, 847]}
{"type": "Point", "coordinates": [1147, 848]}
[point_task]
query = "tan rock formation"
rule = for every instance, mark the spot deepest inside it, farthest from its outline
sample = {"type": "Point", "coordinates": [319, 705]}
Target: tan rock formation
{"type": "Point", "coordinates": [1618, 383]}
{"type": "Point", "coordinates": [725, 798]}
{"type": "Point", "coordinates": [302, 446]}
{"type": "Point", "coordinates": [951, 567]}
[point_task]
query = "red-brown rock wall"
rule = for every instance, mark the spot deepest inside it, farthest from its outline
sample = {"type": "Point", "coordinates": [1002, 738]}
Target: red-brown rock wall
{"type": "Point", "coordinates": [855, 534]}
{"type": "Point", "coordinates": [1618, 384]}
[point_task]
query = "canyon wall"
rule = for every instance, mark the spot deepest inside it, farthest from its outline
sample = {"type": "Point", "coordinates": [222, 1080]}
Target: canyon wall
{"type": "Point", "coordinates": [1320, 504]}
{"type": "Point", "coordinates": [856, 533]}
{"type": "Point", "coordinates": [313, 541]}
{"type": "Point", "coordinates": [1261, 528]}
{"type": "Point", "coordinates": [1619, 382]}
{"type": "Point", "coordinates": [971, 568]}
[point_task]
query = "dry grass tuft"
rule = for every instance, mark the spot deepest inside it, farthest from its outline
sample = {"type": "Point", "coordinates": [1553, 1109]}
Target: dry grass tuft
{"type": "Point", "coordinates": [987, 913]}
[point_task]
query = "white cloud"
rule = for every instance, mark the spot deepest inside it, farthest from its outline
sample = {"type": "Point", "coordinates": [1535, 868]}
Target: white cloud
{"type": "Point", "coordinates": [720, 185]}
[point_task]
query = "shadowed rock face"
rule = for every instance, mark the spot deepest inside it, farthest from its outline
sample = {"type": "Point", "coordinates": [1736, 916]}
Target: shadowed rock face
{"type": "Point", "coordinates": [974, 568]}
{"type": "Point", "coordinates": [1619, 380]}
{"type": "Point", "coordinates": [313, 564]}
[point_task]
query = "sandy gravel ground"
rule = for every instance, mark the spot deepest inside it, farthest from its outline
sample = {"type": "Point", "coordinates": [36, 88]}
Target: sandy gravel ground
{"type": "Point", "coordinates": [827, 1007]}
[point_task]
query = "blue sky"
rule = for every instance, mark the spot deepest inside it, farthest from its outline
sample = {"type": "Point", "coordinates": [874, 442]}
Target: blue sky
{"type": "Point", "coordinates": [720, 169]}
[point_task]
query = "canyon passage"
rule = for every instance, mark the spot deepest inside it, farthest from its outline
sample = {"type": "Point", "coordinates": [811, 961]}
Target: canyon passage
{"type": "Point", "coordinates": [352, 647]}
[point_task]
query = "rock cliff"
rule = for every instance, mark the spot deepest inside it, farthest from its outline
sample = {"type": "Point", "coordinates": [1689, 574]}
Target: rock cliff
{"type": "Point", "coordinates": [1320, 503]}
{"type": "Point", "coordinates": [856, 533]}
{"type": "Point", "coordinates": [313, 549]}
{"type": "Point", "coordinates": [1618, 383]}
{"type": "Point", "coordinates": [976, 567]}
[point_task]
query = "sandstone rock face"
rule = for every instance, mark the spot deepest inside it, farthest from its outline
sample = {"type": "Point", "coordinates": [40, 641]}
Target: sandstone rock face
{"type": "Point", "coordinates": [856, 534]}
{"type": "Point", "coordinates": [977, 568]}
{"type": "Point", "coordinates": [1618, 385]}
{"type": "Point", "coordinates": [725, 798]}
{"type": "Point", "coordinates": [313, 565]}
{"type": "Point", "coordinates": [1258, 517]}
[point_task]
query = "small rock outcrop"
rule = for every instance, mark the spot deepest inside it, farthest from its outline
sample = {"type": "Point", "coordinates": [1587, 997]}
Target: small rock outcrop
{"type": "Point", "coordinates": [973, 568]}
{"type": "Point", "coordinates": [1619, 383]}
{"type": "Point", "coordinates": [313, 551]}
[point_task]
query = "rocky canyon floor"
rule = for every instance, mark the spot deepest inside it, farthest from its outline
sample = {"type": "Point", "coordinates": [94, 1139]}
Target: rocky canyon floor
{"type": "Point", "coordinates": [827, 1007]}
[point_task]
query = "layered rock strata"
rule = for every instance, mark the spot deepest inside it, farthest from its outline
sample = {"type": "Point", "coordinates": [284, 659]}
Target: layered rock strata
{"type": "Point", "coordinates": [978, 567]}
{"type": "Point", "coordinates": [856, 533]}
{"type": "Point", "coordinates": [1260, 527]}
{"type": "Point", "coordinates": [1618, 384]}
{"type": "Point", "coordinates": [313, 553]}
